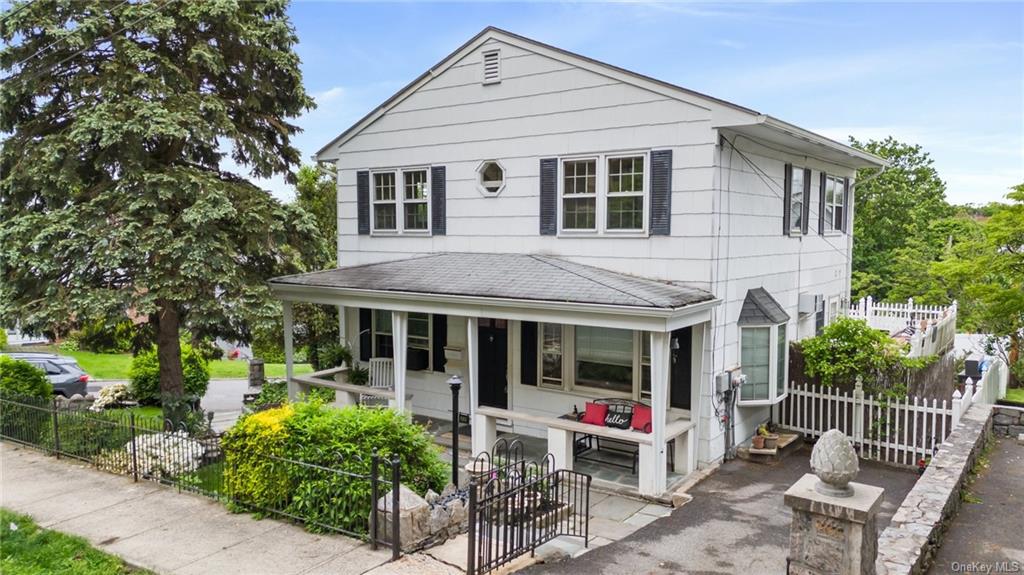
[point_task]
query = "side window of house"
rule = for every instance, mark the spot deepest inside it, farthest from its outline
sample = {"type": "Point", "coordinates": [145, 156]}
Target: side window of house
{"type": "Point", "coordinates": [796, 203]}
{"type": "Point", "coordinates": [415, 199]}
{"type": "Point", "coordinates": [626, 193]}
{"type": "Point", "coordinates": [764, 353]}
{"type": "Point", "coordinates": [384, 203]}
{"type": "Point", "coordinates": [835, 208]}
{"type": "Point", "coordinates": [579, 195]}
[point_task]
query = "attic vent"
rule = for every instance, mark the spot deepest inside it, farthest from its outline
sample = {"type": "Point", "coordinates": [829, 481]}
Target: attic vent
{"type": "Point", "coordinates": [492, 67]}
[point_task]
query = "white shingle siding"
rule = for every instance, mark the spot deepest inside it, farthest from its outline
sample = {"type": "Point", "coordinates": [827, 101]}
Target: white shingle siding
{"type": "Point", "coordinates": [726, 224]}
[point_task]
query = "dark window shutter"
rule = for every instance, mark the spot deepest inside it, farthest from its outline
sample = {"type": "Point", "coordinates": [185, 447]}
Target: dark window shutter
{"type": "Point", "coordinates": [821, 203]}
{"type": "Point", "coordinates": [363, 202]}
{"type": "Point", "coordinates": [548, 196]}
{"type": "Point", "coordinates": [787, 198]}
{"type": "Point", "coordinates": [437, 201]}
{"type": "Point", "coordinates": [661, 192]}
{"type": "Point", "coordinates": [440, 339]}
{"type": "Point", "coordinates": [846, 205]}
{"type": "Point", "coordinates": [365, 334]}
{"type": "Point", "coordinates": [528, 352]}
{"type": "Point", "coordinates": [804, 221]}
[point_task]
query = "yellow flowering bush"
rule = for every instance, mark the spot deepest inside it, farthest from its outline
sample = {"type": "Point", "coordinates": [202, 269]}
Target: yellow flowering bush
{"type": "Point", "coordinates": [251, 475]}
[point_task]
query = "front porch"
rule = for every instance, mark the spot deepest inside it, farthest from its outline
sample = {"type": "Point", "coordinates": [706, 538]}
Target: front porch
{"type": "Point", "coordinates": [534, 339]}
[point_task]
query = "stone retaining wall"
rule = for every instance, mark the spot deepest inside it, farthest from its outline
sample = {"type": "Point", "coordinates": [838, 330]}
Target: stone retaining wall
{"type": "Point", "coordinates": [916, 529]}
{"type": "Point", "coordinates": [1007, 421]}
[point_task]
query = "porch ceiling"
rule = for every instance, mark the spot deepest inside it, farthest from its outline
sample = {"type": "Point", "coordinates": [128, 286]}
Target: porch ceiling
{"type": "Point", "coordinates": [482, 284]}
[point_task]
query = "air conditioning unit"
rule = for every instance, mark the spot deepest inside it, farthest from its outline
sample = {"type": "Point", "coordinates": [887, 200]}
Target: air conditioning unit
{"type": "Point", "coordinates": [810, 303]}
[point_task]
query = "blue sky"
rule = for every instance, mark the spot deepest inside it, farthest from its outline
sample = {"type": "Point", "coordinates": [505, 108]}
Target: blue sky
{"type": "Point", "coordinates": [947, 76]}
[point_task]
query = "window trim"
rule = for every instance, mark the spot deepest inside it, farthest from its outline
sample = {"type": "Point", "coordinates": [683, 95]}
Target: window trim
{"type": "Point", "coordinates": [399, 201]}
{"type": "Point", "coordinates": [774, 396]}
{"type": "Point", "coordinates": [838, 200]}
{"type": "Point", "coordinates": [430, 337]}
{"type": "Point", "coordinates": [601, 195]}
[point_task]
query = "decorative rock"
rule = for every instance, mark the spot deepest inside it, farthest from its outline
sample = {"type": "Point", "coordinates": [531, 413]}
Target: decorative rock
{"type": "Point", "coordinates": [431, 496]}
{"type": "Point", "coordinates": [448, 490]}
{"type": "Point", "coordinates": [413, 517]}
{"type": "Point", "coordinates": [835, 463]}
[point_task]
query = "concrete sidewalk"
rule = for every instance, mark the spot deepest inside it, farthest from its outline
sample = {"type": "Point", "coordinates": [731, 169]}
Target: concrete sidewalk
{"type": "Point", "coordinates": [156, 527]}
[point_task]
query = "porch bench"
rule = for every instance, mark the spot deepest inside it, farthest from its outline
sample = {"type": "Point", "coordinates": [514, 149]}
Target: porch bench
{"type": "Point", "coordinates": [584, 442]}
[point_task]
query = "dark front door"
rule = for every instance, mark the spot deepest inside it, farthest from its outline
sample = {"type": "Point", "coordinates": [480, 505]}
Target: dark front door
{"type": "Point", "coordinates": [492, 364]}
{"type": "Point", "coordinates": [679, 372]}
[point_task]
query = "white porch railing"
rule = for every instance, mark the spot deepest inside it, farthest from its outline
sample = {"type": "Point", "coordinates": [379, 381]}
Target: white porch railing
{"type": "Point", "coordinates": [345, 393]}
{"type": "Point", "coordinates": [935, 326]}
{"type": "Point", "coordinates": [897, 431]}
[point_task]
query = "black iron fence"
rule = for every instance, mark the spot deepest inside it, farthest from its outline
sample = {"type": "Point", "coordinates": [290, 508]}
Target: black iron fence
{"type": "Point", "coordinates": [515, 506]}
{"type": "Point", "coordinates": [333, 494]}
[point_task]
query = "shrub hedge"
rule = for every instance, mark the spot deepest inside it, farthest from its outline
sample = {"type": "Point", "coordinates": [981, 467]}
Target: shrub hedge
{"type": "Point", "coordinates": [335, 438]}
{"type": "Point", "coordinates": [19, 377]}
{"type": "Point", "coordinates": [144, 375]}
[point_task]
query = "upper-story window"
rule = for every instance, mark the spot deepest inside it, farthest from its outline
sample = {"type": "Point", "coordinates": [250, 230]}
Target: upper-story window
{"type": "Point", "coordinates": [604, 194]}
{"type": "Point", "coordinates": [491, 178]}
{"type": "Point", "coordinates": [835, 208]}
{"type": "Point", "coordinates": [401, 201]}
{"type": "Point", "coordinates": [796, 202]}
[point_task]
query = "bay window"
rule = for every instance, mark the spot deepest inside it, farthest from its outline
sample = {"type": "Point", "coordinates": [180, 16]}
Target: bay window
{"type": "Point", "coordinates": [763, 360]}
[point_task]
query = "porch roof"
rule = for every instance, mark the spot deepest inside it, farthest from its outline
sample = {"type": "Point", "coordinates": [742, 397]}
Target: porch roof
{"type": "Point", "coordinates": [503, 277]}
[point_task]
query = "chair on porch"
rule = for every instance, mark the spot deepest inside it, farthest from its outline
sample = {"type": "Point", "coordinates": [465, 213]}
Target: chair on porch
{"type": "Point", "coordinates": [382, 376]}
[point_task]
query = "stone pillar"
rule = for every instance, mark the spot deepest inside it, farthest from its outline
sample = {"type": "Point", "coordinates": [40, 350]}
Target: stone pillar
{"type": "Point", "coordinates": [833, 530]}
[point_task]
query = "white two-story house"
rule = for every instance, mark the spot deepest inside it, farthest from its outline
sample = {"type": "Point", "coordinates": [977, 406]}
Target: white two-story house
{"type": "Point", "coordinates": [557, 230]}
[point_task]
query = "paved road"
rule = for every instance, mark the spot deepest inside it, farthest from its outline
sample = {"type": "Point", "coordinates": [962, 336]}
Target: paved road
{"type": "Point", "coordinates": [736, 523]}
{"type": "Point", "coordinates": [989, 531]}
{"type": "Point", "coordinates": [223, 397]}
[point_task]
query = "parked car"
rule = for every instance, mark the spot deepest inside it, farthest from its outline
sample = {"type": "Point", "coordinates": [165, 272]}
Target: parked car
{"type": "Point", "coordinates": [63, 372]}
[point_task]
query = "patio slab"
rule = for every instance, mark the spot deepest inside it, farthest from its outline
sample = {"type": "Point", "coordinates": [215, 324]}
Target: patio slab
{"type": "Point", "coordinates": [616, 508]}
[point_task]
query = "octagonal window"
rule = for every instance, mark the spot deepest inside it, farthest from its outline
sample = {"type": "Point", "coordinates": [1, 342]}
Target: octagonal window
{"type": "Point", "coordinates": [492, 177]}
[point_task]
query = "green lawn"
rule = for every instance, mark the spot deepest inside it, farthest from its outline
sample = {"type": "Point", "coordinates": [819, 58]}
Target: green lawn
{"type": "Point", "coordinates": [115, 366]}
{"type": "Point", "coordinates": [27, 549]}
{"type": "Point", "coordinates": [1016, 395]}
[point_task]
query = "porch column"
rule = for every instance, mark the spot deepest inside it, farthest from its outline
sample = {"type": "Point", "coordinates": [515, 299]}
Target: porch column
{"type": "Point", "coordinates": [399, 331]}
{"type": "Point", "coordinates": [653, 461]}
{"type": "Point", "coordinates": [484, 430]}
{"type": "Point", "coordinates": [286, 318]}
{"type": "Point", "coordinates": [342, 334]}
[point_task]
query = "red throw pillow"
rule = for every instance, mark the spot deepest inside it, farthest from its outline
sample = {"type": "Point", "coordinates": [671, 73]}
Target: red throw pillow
{"type": "Point", "coordinates": [641, 418]}
{"type": "Point", "coordinates": [595, 413]}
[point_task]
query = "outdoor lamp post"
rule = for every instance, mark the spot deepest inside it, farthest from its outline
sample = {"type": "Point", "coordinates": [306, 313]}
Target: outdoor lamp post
{"type": "Point", "coordinates": [455, 382]}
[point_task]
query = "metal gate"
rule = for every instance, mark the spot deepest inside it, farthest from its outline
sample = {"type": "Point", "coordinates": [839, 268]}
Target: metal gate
{"type": "Point", "coordinates": [516, 506]}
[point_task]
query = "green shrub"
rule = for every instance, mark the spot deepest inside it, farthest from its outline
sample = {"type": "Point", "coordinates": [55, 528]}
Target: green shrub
{"type": "Point", "coordinates": [144, 375]}
{"type": "Point", "coordinates": [100, 337]}
{"type": "Point", "coordinates": [342, 439]}
{"type": "Point", "coordinates": [848, 348]}
{"type": "Point", "coordinates": [3, 338]}
{"type": "Point", "coordinates": [274, 393]}
{"type": "Point", "coordinates": [251, 476]}
{"type": "Point", "coordinates": [69, 345]}
{"type": "Point", "coordinates": [19, 377]}
{"type": "Point", "coordinates": [334, 355]}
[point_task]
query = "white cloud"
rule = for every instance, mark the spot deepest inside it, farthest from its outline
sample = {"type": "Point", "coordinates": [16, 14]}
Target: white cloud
{"type": "Point", "coordinates": [330, 95]}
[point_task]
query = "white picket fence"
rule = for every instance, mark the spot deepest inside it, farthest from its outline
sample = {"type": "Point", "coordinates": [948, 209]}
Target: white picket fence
{"type": "Point", "coordinates": [990, 389]}
{"type": "Point", "coordinates": [900, 431]}
{"type": "Point", "coordinates": [935, 326]}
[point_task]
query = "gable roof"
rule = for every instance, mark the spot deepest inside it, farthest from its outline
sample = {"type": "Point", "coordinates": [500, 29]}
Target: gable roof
{"type": "Point", "coordinates": [743, 116]}
{"type": "Point", "coordinates": [760, 308]}
{"type": "Point", "coordinates": [504, 276]}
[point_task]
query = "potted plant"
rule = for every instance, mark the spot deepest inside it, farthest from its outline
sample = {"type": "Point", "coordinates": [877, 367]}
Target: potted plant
{"type": "Point", "coordinates": [758, 439]}
{"type": "Point", "coordinates": [771, 440]}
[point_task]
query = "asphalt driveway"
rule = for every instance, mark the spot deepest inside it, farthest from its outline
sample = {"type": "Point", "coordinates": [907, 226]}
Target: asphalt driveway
{"type": "Point", "coordinates": [736, 523]}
